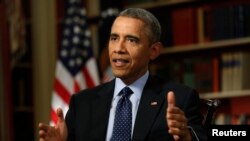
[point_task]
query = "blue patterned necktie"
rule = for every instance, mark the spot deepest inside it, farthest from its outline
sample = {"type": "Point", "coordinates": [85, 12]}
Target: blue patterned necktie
{"type": "Point", "coordinates": [123, 117]}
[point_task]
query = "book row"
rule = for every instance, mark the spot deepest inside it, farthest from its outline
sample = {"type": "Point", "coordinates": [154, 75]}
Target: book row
{"type": "Point", "coordinates": [206, 23]}
{"type": "Point", "coordinates": [226, 72]}
{"type": "Point", "coordinates": [227, 119]}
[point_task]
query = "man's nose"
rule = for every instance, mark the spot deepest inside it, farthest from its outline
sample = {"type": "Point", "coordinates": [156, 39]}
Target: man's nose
{"type": "Point", "coordinates": [120, 47]}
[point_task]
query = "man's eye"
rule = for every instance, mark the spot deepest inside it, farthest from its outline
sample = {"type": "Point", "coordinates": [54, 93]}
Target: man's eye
{"type": "Point", "coordinates": [113, 38]}
{"type": "Point", "coordinates": [132, 40]}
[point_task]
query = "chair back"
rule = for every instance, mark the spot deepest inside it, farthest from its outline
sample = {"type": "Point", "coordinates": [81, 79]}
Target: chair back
{"type": "Point", "coordinates": [209, 107]}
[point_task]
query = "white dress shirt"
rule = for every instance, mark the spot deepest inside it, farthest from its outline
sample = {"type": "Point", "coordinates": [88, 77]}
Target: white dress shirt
{"type": "Point", "coordinates": [137, 88]}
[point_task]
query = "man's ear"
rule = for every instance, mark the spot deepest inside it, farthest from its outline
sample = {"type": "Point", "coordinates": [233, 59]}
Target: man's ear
{"type": "Point", "coordinates": [155, 50]}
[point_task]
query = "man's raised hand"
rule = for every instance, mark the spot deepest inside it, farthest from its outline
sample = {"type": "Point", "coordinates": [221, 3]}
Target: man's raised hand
{"type": "Point", "coordinates": [54, 133]}
{"type": "Point", "coordinates": [176, 120]}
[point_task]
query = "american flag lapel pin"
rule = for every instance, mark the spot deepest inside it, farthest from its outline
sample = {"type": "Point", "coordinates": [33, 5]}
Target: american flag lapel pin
{"type": "Point", "coordinates": [153, 103]}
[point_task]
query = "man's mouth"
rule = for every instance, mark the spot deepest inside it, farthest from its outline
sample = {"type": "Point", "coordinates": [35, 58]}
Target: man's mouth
{"type": "Point", "coordinates": [120, 62]}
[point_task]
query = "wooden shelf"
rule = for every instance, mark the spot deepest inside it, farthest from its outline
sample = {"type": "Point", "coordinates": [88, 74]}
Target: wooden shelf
{"type": "Point", "coordinates": [222, 95]}
{"type": "Point", "coordinates": [23, 65]}
{"type": "Point", "coordinates": [207, 46]}
{"type": "Point", "coordinates": [161, 3]}
{"type": "Point", "coordinates": [23, 109]}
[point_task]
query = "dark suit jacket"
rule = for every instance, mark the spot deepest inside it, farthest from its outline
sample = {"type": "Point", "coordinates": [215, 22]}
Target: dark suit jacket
{"type": "Point", "coordinates": [88, 114]}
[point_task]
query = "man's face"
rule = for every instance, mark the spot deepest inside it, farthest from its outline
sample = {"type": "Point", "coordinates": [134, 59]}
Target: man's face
{"type": "Point", "coordinates": [129, 49]}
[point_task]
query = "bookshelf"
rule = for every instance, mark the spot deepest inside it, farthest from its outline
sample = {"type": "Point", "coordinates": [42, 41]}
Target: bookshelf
{"type": "Point", "coordinates": [22, 82]}
{"type": "Point", "coordinates": [221, 95]}
{"type": "Point", "coordinates": [5, 79]}
{"type": "Point", "coordinates": [154, 5]}
{"type": "Point", "coordinates": [207, 41]}
{"type": "Point", "coordinates": [223, 44]}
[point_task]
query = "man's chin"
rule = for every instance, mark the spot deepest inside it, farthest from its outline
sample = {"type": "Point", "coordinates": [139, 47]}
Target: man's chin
{"type": "Point", "coordinates": [119, 75]}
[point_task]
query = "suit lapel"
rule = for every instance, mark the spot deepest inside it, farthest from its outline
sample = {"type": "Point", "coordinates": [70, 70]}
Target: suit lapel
{"type": "Point", "coordinates": [101, 107]}
{"type": "Point", "coordinates": [150, 103]}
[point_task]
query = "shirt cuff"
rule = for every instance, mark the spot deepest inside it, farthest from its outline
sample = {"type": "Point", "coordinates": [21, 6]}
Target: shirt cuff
{"type": "Point", "coordinates": [193, 134]}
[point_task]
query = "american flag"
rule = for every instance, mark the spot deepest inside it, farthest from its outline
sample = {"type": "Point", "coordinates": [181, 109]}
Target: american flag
{"type": "Point", "coordinates": [76, 67]}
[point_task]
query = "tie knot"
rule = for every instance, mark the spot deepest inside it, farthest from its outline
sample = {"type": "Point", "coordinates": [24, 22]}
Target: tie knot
{"type": "Point", "coordinates": [126, 91]}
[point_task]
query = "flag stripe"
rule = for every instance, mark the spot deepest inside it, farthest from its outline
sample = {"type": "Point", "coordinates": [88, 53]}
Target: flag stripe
{"type": "Point", "coordinates": [76, 86]}
{"type": "Point", "coordinates": [89, 81]}
{"type": "Point", "coordinates": [58, 102]}
{"type": "Point", "coordinates": [80, 80]}
{"type": "Point", "coordinates": [92, 69]}
{"type": "Point", "coordinates": [53, 116]}
{"type": "Point", "coordinates": [61, 91]}
{"type": "Point", "coordinates": [64, 77]}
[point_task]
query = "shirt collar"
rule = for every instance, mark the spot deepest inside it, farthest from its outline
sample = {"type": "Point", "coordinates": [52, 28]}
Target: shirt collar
{"type": "Point", "coordinates": [136, 86]}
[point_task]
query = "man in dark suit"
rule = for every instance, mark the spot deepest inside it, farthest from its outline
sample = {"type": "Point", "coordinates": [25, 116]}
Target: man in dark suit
{"type": "Point", "coordinates": [160, 111]}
